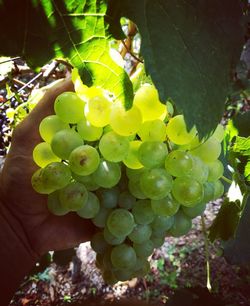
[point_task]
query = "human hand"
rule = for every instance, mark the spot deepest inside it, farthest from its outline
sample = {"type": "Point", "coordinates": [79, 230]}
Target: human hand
{"type": "Point", "coordinates": [43, 230]}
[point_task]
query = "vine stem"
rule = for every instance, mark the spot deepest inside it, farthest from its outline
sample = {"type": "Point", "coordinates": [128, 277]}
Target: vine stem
{"type": "Point", "coordinates": [204, 230]}
{"type": "Point", "coordinates": [226, 180]}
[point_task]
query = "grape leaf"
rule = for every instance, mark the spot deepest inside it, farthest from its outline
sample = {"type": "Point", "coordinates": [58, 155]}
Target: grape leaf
{"type": "Point", "coordinates": [75, 30]}
{"type": "Point", "coordinates": [189, 49]}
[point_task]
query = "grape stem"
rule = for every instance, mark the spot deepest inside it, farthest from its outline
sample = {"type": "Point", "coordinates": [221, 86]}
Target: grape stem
{"type": "Point", "coordinates": [206, 242]}
{"type": "Point", "coordinates": [226, 180]}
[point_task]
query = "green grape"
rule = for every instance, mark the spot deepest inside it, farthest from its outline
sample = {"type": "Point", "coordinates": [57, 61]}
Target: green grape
{"type": "Point", "coordinates": [107, 259]}
{"type": "Point", "coordinates": [43, 155]}
{"type": "Point", "coordinates": [208, 192]}
{"type": "Point", "coordinates": [147, 100]}
{"type": "Point", "coordinates": [120, 222]}
{"type": "Point", "coordinates": [145, 249]}
{"type": "Point", "coordinates": [125, 123]}
{"type": "Point", "coordinates": [219, 132]}
{"type": "Point", "coordinates": [74, 196]}
{"type": "Point", "coordinates": [134, 174]}
{"type": "Point", "coordinates": [157, 241]}
{"type": "Point", "coordinates": [182, 225]}
{"type": "Point", "coordinates": [161, 224]}
{"type": "Point", "coordinates": [86, 180]}
{"type": "Point", "coordinates": [167, 206]}
{"type": "Point", "coordinates": [218, 189]}
{"type": "Point", "coordinates": [123, 274]}
{"type": "Point", "coordinates": [38, 183]}
{"type": "Point", "coordinates": [107, 174]}
{"type": "Point", "coordinates": [132, 160]}
{"type": "Point", "coordinates": [89, 132]}
{"type": "Point", "coordinates": [84, 160]}
{"type": "Point", "coordinates": [178, 163]}
{"type": "Point", "coordinates": [51, 125]}
{"type": "Point", "coordinates": [114, 147]}
{"type": "Point", "coordinates": [98, 243]}
{"type": "Point", "coordinates": [153, 130]}
{"type": "Point", "coordinates": [134, 188]}
{"type": "Point", "coordinates": [208, 151]}
{"type": "Point", "coordinates": [143, 212]}
{"type": "Point", "coordinates": [91, 207]}
{"type": "Point", "coordinates": [64, 142]}
{"type": "Point", "coordinates": [126, 200]}
{"type": "Point", "coordinates": [199, 170]}
{"type": "Point", "coordinates": [109, 197]}
{"type": "Point", "coordinates": [109, 277]}
{"type": "Point", "coordinates": [156, 183]}
{"type": "Point", "coordinates": [187, 191]}
{"type": "Point", "coordinates": [177, 131]}
{"type": "Point", "coordinates": [97, 110]}
{"type": "Point", "coordinates": [69, 107]}
{"type": "Point", "coordinates": [100, 219]}
{"type": "Point", "coordinates": [123, 256]}
{"type": "Point", "coordinates": [152, 154]}
{"type": "Point", "coordinates": [140, 233]}
{"type": "Point", "coordinates": [193, 212]}
{"type": "Point", "coordinates": [55, 206]}
{"type": "Point", "coordinates": [141, 268]}
{"type": "Point", "coordinates": [111, 239]}
{"type": "Point", "coordinates": [216, 170]}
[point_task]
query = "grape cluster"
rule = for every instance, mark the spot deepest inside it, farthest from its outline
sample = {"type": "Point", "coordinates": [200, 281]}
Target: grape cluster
{"type": "Point", "coordinates": [139, 175]}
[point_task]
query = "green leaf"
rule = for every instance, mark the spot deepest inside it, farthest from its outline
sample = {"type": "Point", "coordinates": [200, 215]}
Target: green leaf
{"type": "Point", "coordinates": [189, 48]}
{"type": "Point", "coordinates": [242, 146]}
{"type": "Point", "coordinates": [73, 30]}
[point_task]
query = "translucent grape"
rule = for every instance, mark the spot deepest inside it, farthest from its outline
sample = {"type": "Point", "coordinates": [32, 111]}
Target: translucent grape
{"type": "Point", "coordinates": [55, 206]}
{"type": "Point", "coordinates": [132, 160]}
{"type": "Point", "coordinates": [177, 131]}
{"type": "Point", "coordinates": [153, 130]}
{"type": "Point", "coordinates": [152, 153]}
{"type": "Point", "coordinates": [98, 243]}
{"type": "Point", "coordinates": [145, 249]}
{"type": "Point", "coordinates": [156, 183]}
{"type": "Point", "coordinates": [178, 163]}
{"type": "Point", "coordinates": [100, 219]}
{"type": "Point", "coordinates": [50, 125]}
{"type": "Point", "coordinates": [64, 142]}
{"type": "Point", "coordinates": [89, 132]}
{"type": "Point", "coordinates": [157, 241]}
{"type": "Point", "coordinates": [182, 225]}
{"type": "Point", "coordinates": [216, 170]}
{"type": "Point", "coordinates": [107, 174]}
{"type": "Point", "coordinates": [69, 107]}
{"type": "Point", "coordinates": [167, 206]}
{"type": "Point", "coordinates": [109, 197]}
{"type": "Point", "coordinates": [140, 233]}
{"type": "Point", "coordinates": [199, 170]}
{"type": "Point", "coordinates": [84, 160]}
{"type": "Point", "coordinates": [219, 132]}
{"type": "Point", "coordinates": [111, 239]}
{"type": "Point", "coordinates": [91, 207]}
{"type": "Point", "coordinates": [38, 183]}
{"type": "Point", "coordinates": [97, 111]}
{"type": "Point", "coordinates": [134, 174]}
{"type": "Point", "coordinates": [187, 191]}
{"type": "Point", "coordinates": [193, 212]}
{"type": "Point", "coordinates": [134, 188]}
{"type": "Point", "coordinates": [147, 100]}
{"type": "Point", "coordinates": [143, 212]}
{"type": "Point", "coordinates": [86, 180]}
{"type": "Point", "coordinates": [161, 225]}
{"type": "Point", "coordinates": [114, 147]}
{"type": "Point", "coordinates": [125, 123]}
{"type": "Point", "coordinates": [43, 155]}
{"type": "Point", "coordinates": [218, 189]}
{"type": "Point", "coordinates": [126, 200]}
{"type": "Point", "coordinates": [209, 189]}
{"type": "Point", "coordinates": [120, 222]}
{"type": "Point", "coordinates": [74, 196]}
{"type": "Point", "coordinates": [208, 151]}
{"type": "Point", "coordinates": [123, 256]}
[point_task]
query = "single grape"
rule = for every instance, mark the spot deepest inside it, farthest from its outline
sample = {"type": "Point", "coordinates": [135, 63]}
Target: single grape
{"type": "Point", "coordinates": [100, 219]}
{"type": "Point", "coordinates": [193, 212]}
{"type": "Point", "coordinates": [167, 206]}
{"type": "Point", "coordinates": [140, 233]}
{"type": "Point", "coordinates": [218, 189]}
{"type": "Point", "coordinates": [219, 132]}
{"type": "Point", "coordinates": [97, 110]}
{"type": "Point", "coordinates": [89, 132]}
{"type": "Point", "coordinates": [43, 155]}
{"type": "Point", "coordinates": [69, 107]}
{"type": "Point", "coordinates": [153, 130]}
{"type": "Point", "coordinates": [98, 243]}
{"type": "Point", "coordinates": [134, 174]}
{"type": "Point", "coordinates": [38, 183]}
{"type": "Point", "coordinates": [143, 212]}
{"type": "Point", "coordinates": [216, 170]}
{"type": "Point", "coordinates": [107, 174]}
{"type": "Point", "coordinates": [91, 207]}
{"type": "Point", "coordinates": [177, 131]}
{"type": "Point", "coordinates": [187, 191]}
{"type": "Point", "coordinates": [161, 224]}
{"type": "Point", "coordinates": [86, 180]}
{"type": "Point", "coordinates": [108, 197]}
{"type": "Point", "coordinates": [208, 151]}
{"type": "Point", "coordinates": [178, 163]}
{"type": "Point", "coordinates": [182, 225]}
{"type": "Point", "coordinates": [55, 206]}
{"type": "Point", "coordinates": [120, 222]}
{"type": "Point", "coordinates": [126, 200]}
{"type": "Point", "coordinates": [134, 188]}
{"type": "Point", "coordinates": [199, 170]}
{"type": "Point", "coordinates": [84, 160]}
{"type": "Point", "coordinates": [74, 196]}
{"type": "Point", "coordinates": [145, 249]}
{"type": "Point", "coordinates": [157, 241]}
{"type": "Point", "coordinates": [209, 189]}
{"type": "Point", "coordinates": [152, 154]}
{"type": "Point", "coordinates": [132, 158]}
{"type": "Point", "coordinates": [123, 274]}
{"type": "Point", "coordinates": [111, 239]}
{"type": "Point", "coordinates": [64, 142]}
{"type": "Point", "coordinates": [114, 147]}
{"type": "Point", "coordinates": [125, 123]}
{"type": "Point", "coordinates": [156, 183]}
{"type": "Point", "coordinates": [51, 125]}
{"type": "Point", "coordinates": [123, 256]}
{"type": "Point", "coordinates": [147, 100]}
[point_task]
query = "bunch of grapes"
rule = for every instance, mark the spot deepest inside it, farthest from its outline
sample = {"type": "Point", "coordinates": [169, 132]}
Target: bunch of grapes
{"type": "Point", "coordinates": [139, 175]}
